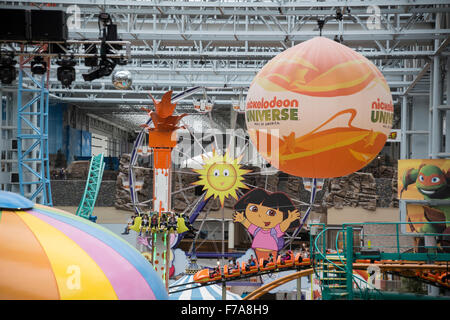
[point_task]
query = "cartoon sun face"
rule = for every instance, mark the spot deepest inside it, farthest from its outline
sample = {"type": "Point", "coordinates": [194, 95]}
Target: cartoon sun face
{"type": "Point", "coordinates": [221, 176]}
{"type": "Point", "coordinates": [262, 216]}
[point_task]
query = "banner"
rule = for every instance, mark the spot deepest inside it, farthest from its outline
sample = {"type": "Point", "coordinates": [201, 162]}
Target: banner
{"type": "Point", "coordinates": [425, 179]}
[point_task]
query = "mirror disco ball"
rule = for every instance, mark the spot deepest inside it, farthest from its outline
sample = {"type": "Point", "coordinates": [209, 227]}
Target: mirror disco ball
{"type": "Point", "coordinates": [122, 79]}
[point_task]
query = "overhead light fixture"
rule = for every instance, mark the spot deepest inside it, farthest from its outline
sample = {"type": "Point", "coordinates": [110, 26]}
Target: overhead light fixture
{"type": "Point", "coordinates": [66, 72]}
{"type": "Point", "coordinates": [320, 24]}
{"type": "Point", "coordinates": [110, 34]}
{"type": "Point", "coordinates": [104, 69]}
{"type": "Point", "coordinates": [38, 65]}
{"type": "Point", "coordinates": [104, 18]}
{"type": "Point", "coordinates": [339, 15]}
{"type": "Point", "coordinates": [7, 69]}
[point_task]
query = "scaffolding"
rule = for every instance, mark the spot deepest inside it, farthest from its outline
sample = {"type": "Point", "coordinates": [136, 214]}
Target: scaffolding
{"type": "Point", "coordinates": [32, 136]}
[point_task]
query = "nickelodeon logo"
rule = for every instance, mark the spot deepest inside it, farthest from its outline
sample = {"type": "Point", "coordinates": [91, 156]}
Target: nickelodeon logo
{"type": "Point", "coordinates": [275, 102]}
{"type": "Point", "coordinates": [382, 112]}
{"type": "Point", "coordinates": [379, 105]}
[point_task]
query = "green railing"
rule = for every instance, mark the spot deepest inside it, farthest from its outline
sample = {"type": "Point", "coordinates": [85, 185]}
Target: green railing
{"type": "Point", "coordinates": [390, 241]}
{"type": "Point", "coordinates": [373, 246]}
{"type": "Point", "coordinates": [336, 281]}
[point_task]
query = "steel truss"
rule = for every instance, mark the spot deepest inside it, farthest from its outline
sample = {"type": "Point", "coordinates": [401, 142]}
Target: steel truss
{"type": "Point", "coordinates": [180, 44]}
{"type": "Point", "coordinates": [32, 135]}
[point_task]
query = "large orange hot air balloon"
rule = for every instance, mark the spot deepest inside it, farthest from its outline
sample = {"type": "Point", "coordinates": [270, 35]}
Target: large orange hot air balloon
{"type": "Point", "coordinates": [319, 110]}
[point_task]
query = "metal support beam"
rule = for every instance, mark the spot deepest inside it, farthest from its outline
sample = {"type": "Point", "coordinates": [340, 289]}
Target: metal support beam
{"type": "Point", "coordinates": [349, 262]}
{"type": "Point", "coordinates": [32, 136]}
{"type": "Point", "coordinates": [436, 126]}
{"type": "Point", "coordinates": [403, 128]}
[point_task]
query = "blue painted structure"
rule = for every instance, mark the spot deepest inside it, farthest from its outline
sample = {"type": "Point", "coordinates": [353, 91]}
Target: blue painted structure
{"type": "Point", "coordinates": [77, 144]}
{"type": "Point", "coordinates": [55, 127]}
{"type": "Point", "coordinates": [32, 136]}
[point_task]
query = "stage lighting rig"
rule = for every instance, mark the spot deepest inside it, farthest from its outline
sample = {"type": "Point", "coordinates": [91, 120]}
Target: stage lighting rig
{"type": "Point", "coordinates": [104, 69]}
{"type": "Point", "coordinates": [66, 72]}
{"type": "Point", "coordinates": [339, 14]}
{"type": "Point", "coordinates": [38, 65]}
{"type": "Point", "coordinates": [7, 69]}
{"type": "Point", "coordinates": [109, 33]}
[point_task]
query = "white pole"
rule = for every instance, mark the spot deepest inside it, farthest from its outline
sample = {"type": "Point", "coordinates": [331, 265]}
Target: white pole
{"type": "Point", "coordinates": [231, 234]}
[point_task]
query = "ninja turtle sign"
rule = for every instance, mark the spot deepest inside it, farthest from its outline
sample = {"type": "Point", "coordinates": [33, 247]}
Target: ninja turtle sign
{"type": "Point", "coordinates": [426, 179]}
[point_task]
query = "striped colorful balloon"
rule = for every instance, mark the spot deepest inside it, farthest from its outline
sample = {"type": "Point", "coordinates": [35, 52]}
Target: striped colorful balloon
{"type": "Point", "coordinates": [46, 253]}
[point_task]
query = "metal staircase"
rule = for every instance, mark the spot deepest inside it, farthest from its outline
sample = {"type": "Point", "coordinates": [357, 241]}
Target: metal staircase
{"type": "Point", "coordinates": [335, 277]}
{"type": "Point", "coordinates": [334, 268]}
{"type": "Point", "coordinates": [333, 280]}
{"type": "Point", "coordinates": [93, 183]}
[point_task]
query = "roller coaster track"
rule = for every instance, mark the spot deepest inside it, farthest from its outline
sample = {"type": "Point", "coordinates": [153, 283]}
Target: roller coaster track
{"type": "Point", "coordinates": [272, 285]}
{"type": "Point", "coordinates": [93, 183]}
{"type": "Point", "coordinates": [359, 266]}
{"type": "Point", "coordinates": [234, 278]}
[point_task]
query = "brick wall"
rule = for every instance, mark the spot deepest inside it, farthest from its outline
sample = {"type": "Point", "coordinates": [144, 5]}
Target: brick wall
{"type": "Point", "coordinates": [382, 237]}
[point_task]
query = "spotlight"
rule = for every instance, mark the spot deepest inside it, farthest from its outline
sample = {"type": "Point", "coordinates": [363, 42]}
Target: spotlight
{"type": "Point", "coordinates": [339, 15]}
{"type": "Point", "coordinates": [104, 17]}
{"type": "Point", "coordinates": [38, 65]}
{"type": "Point", "coordinates": [93, 73]}
{"type": "Point", "coordinates": [320, 23]}
{"type": "Point", "coordinates": [108, 32]}
{"type": "Point", "coordinates": [66, 72]}
{"type": "Point", "coordinates": [7, 69]}
{"type": "Point", "coordinates": [105, 69]}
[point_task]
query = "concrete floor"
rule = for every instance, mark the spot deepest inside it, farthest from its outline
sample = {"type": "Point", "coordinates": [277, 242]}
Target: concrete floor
{"type": "Point", "coordinates": [105, 215]}
{"type": "Point", "coordinates": [110, 218]}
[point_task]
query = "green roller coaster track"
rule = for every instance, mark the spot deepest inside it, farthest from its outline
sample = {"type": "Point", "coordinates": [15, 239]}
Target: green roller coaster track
{"type": "Point", "coordinates": [335, 271]}
{"type": "Point", "coordinates": [93, 183]}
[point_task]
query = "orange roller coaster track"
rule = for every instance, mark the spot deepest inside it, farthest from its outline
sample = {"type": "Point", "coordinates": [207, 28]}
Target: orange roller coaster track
{"type": "Point", "coordinates": [266, 288]}
{"type": "Point", "coordinates": [385, 266]}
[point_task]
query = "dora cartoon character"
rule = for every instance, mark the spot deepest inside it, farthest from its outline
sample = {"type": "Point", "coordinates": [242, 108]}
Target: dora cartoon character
{"type": "Point", "coordinates": [267, 216]}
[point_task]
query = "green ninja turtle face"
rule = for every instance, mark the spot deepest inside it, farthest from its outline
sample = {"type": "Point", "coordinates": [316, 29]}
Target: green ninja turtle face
{"type": "Point", "coordinates": [431, 181]}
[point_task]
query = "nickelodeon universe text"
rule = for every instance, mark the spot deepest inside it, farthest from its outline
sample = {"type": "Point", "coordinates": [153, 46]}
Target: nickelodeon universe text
{"type": "Point", "coordinates": [382, 112]}
{"type": "Point", "coordinates": [272, 110]}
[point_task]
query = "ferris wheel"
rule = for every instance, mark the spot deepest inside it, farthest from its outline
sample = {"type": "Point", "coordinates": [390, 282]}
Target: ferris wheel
{"type": "Point", "coordinates": [202, 166]}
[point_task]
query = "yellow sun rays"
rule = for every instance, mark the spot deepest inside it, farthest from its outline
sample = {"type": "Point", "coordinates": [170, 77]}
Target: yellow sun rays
{"type": "Point", "coordinates": [221, 176]}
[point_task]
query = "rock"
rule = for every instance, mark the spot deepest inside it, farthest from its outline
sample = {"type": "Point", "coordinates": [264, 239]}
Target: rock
{"type": "Point", "coordinates": [142, 175]}
{"type": "Point", "coordinates": [394, 197]}
{"type": "Point", "coordinates": [78, 170]}
{"type": "Point", "coordinates": [358, 189]}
